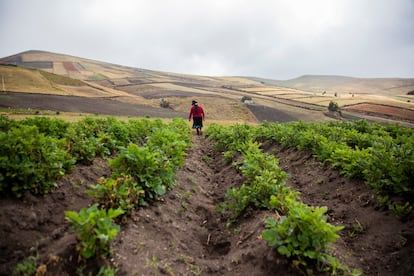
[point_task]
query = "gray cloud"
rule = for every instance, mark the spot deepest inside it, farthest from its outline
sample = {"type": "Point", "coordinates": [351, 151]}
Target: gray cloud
{"type": "Point", "coordinates": [274, 39]}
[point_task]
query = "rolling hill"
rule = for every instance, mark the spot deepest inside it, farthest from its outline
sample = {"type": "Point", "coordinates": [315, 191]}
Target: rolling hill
{"type": "Point", "coordinates": [343, 84]}
{"type": "Point", "coordinates": [138, 92]}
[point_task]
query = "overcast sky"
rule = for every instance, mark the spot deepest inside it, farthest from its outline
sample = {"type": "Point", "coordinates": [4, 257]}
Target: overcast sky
{"type": "Point", "coordinates": [278, 39]}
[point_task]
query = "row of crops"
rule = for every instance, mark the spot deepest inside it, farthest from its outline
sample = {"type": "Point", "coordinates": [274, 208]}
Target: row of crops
{"type": "Point", "coordinates": [383, 156]}
{"type": "Point", "coordinates": [35, 152]}
{"type": "Point", "coordinates": [298, 231]}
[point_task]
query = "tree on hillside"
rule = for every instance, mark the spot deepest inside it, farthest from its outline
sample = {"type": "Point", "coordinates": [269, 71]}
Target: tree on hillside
{"type": "Point", "coordinates": [246, 99]}
{"type": "Point", "coordinates": [333, 106]}
{"type": "Point", "coordinates": [164, 103]}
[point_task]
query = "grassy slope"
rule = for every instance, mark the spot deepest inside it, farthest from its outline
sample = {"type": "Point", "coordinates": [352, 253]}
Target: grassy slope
{"type": "Point", "coordinates": [25, 80]}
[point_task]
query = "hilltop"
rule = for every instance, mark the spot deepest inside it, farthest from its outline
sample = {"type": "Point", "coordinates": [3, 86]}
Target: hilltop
{"type": "Point", "coordinates": [57, 79]}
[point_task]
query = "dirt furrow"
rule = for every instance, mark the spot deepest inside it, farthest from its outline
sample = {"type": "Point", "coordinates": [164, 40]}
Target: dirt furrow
{"type": "Point", "coordinates": [173, 236]}
{"type": "Point", "coordinates": [185, 235]}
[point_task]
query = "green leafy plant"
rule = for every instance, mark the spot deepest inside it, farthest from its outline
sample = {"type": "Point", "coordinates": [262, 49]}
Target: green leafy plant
{"type": "Point", "coordinates": [107, 271]}
{"type": "Point", "coordinates": [302, 235]}
{"type": "Point", "coordinates": [95, 230]}
{"type": "Point", "coordinates": [35, 152]}
{"type": "Point", "coordinates": [50, 127]}
{"type": "Point", "coordinates": [31, 161]}
{"type": "Point", "coordinates": [120, 192]}
{"type": "Point", "coordinates": [164, 103]}
{"type": "Point", "coordinates": [171, 143]}
{"type": "Point", "coordinates": [381, 155]}
{"type": "Point", "coordinates": [402, 210]}
{"type": "Point", "coordinates": [357, 228]}
{"type": "Point", "coordinates": [151, 170]}
{"type": "Point", "coordinates": [26, 267]}
{"type": "Point", "coordinates": [263, 179]}
{"type": "Point", "coordinates": [382, 201]}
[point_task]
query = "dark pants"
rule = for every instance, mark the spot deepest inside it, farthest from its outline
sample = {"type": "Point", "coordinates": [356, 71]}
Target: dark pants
{"type": "Point", "coordinates": [197, 122]}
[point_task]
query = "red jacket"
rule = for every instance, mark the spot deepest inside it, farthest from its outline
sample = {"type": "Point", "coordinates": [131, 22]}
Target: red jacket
{"type": "Point", "coordinates": [200, 112]}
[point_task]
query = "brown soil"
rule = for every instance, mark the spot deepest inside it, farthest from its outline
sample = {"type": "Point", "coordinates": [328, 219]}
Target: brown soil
{"type": "Point", "coordinates": [269, 114]}
{"type": "Point", "coordinates": [107, 106]}
{"type": "Point", "coordinates": [115, 107]}
{"type": "Point", "coordinates": [393, 112]}
{"type": "Point", "coordinates": [185, 235]}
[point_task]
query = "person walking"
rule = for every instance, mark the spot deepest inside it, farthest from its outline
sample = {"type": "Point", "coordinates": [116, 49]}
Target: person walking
{"type": "Point", "coordinates": [198, 114]}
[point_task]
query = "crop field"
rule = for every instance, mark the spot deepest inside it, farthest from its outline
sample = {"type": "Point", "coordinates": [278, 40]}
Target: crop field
{"type": "Point", "coordinates": [398, 108]}
{"type": "Point", "coordinates": [58, 68]}
{"type": "Point", "coordinates": [276, 185]}
{"type": "Point", "coordinates": [171, 86]}
{"type": "Point", "coordinates": [384, 110]}
{"type": "Point", "coordinates": [101, 195]}
{"type": "Point", "coordinates": [275, 91]}
{"type": "Point", "coordinates": [69, 66]}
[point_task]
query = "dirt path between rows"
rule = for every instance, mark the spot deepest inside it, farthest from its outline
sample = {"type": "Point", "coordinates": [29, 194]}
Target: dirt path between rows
{"type": "Point", "coordinates": [185, 235]}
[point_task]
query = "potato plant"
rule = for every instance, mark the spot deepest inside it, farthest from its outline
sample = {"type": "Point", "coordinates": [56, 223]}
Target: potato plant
{"type": "Point", "coordinates": [117, 192]}
{"type": "Point", "coordinates": [263, 179]}
{"type": "Point", "coordinates": [142, 173]}
{"type": "Point", "coordinates": [95, 229]}
{"type": "Point", "coordinates": [35, 152]}
{"type": "Point", "coordinates": [31, 161]}
{"type": "Point", "coordinates": [303, 234]}
{"type": "Point", "coordinates": [381, 155]}
{"type": "Point", "coordinates": [151, 169]}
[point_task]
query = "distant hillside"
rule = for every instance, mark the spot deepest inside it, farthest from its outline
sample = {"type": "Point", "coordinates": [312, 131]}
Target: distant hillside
{"type": "Point", "coordinates": [70, 66]}
{"type": "Point", "coordinates": [343, 84]}
{"type": "Point", "coordinates": [304, 98]}
{"type": "Point", "coordinates": [44, 72]}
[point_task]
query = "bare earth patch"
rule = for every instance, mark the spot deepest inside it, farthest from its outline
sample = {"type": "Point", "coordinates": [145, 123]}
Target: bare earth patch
{"type": "Point", "coordinates": [105, 106]}
{"type": "Point", "coordinates": [271, 114]}
{"type": "Point", "coordinates": [383, 111]}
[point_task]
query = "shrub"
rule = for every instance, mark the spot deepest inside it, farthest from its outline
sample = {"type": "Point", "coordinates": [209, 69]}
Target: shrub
{"type": "Point", "coordinates": [333, 106]}
{"type": "Point", "coordinates": [246, 98]}
{"type": "Point", "coordinates": [164, 103]}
